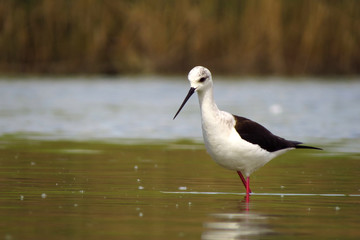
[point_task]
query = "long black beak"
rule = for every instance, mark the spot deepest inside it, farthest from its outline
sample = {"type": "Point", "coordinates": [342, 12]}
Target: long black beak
{"type": "Point", "coordinates": [191, 92]}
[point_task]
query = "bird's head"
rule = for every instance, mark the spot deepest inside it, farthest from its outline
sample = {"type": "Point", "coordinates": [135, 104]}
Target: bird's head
{"type": "Point", "coordinates": [200, 80]}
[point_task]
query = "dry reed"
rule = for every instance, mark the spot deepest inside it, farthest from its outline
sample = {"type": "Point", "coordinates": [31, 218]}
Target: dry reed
{"type": "Point", "coordinates": [164, 36]}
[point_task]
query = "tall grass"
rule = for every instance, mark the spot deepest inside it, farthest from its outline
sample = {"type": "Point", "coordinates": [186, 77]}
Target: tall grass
{"type": "Point", "coordinates": [166, 36]}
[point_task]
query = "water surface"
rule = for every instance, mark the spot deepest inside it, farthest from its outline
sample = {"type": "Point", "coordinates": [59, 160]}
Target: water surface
{"type": "Point", "coordinates": [142, 107]}
{"type": "Point", "coordinates": [101, 158]}
{"type": "Point", "coordinates": [93, 190]}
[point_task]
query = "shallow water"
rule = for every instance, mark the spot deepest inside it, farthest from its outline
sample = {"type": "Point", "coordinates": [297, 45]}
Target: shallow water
{"type": "Point", "coordinates": [103, 159]}
{"type": "Point", "coordinates": [99, 190]}
{"type": "Point", "coordinates": [309, 110]}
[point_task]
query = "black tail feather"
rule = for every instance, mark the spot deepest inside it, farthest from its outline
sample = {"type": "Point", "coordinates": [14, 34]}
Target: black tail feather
{"type": "Point", "coordinates": [307, 147]}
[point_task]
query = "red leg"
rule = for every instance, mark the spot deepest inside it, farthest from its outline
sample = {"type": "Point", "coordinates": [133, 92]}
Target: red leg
{"type": "Point", "coordinates": [248, 189]}
{"type": "Point", "coordinates": [242, 178]}
{"type": "Point", "coordinates": [243, 181]}
{"type": "Point", "coordinates": [248, 186]}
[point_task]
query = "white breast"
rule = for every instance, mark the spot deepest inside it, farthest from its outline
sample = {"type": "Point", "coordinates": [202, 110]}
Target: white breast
{"type": "Point", "coordinates": [228, 149]}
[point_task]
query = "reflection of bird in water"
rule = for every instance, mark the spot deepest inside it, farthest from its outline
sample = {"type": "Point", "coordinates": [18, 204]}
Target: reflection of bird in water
{"type": "Point", "coordinates": [234, 142]}
{"type": "Point", "coordinates": [235, 226]}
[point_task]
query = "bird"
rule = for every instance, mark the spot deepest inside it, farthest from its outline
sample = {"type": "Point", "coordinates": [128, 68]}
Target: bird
{"type": "Point", "coordinates": [234, 142]}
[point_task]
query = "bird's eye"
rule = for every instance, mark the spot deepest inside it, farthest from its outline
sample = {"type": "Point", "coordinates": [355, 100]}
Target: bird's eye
{"type": "Point", "coordinates": [202, 79]}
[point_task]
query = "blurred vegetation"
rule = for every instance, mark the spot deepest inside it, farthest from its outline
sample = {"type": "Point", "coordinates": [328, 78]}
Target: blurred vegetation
{"type": "Point", "coordinates": [164, 36]}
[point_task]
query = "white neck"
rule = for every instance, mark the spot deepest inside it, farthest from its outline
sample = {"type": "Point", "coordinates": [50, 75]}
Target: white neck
{"type": "Point", "coordinates": [207, 104]}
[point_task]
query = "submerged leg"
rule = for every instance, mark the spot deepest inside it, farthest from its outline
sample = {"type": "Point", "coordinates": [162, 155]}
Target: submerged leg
{"type": "Point", "coordinates": [248, 186]}
{"type": "Point", "coordinates": [248, 190]}
{"type": "Point", "coordinates": [243, 180]}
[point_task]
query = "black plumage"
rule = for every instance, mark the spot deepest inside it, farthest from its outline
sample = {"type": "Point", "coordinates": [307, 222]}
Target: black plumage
{"type": "Point", "coordinates": [258, 134]}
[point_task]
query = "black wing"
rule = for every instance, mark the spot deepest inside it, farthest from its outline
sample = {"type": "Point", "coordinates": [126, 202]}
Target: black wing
{"type": "Point", "coordinates": [257, 134]}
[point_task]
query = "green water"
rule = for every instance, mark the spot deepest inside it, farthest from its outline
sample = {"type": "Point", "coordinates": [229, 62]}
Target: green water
{"type": "Point", "coordinates": [101, 190]}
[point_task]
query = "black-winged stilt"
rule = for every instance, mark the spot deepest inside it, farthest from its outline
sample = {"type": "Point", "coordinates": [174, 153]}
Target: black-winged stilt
{"type": "Point", "coordinates": [234, 142]}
